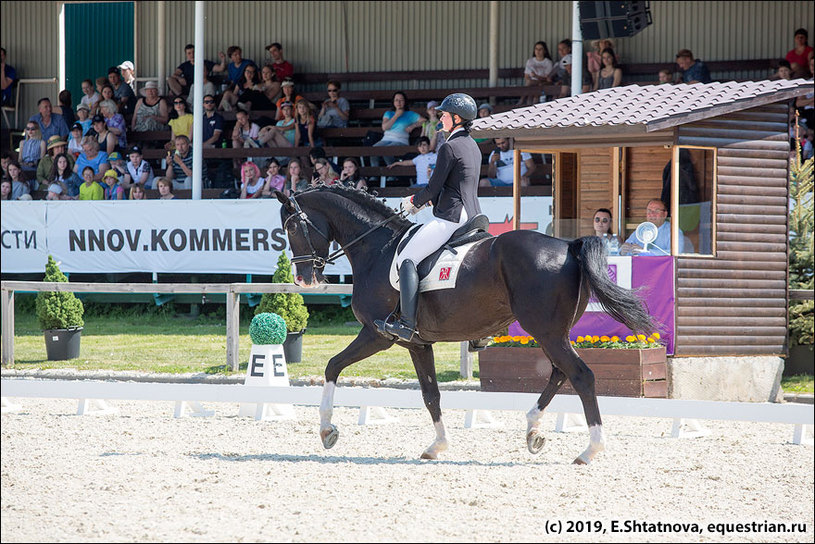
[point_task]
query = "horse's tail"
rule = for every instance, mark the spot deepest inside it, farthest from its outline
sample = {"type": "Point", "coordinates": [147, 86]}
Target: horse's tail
{"type": "Point", "coordinates": [624, 305]}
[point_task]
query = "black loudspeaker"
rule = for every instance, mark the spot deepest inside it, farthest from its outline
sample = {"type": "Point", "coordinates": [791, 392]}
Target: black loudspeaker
{"type": "Point", "coordinates": [613, 19]}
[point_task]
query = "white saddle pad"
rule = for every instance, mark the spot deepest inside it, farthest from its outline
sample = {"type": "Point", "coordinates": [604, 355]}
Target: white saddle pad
{"type": "Point", "coordinates": [444, 273]}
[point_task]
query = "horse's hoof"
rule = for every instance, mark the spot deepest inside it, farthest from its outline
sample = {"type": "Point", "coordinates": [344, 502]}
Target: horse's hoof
{"type": "Point", "coordinates": [329, 437]}
{"type": "Point", "coordinates": [428, 455]}
{"type": "Point", "coordinates": [580, 461]}
{"type": "Point", "coordinates": [535, 442]}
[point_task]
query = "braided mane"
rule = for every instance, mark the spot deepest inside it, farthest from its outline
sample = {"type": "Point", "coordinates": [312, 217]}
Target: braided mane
{"type": "Point", "coordinates": [362, 198]}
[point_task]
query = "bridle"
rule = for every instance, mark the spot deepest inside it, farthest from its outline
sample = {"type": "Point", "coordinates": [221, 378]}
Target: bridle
{"type": "Point", "coordinates": [316, 260]}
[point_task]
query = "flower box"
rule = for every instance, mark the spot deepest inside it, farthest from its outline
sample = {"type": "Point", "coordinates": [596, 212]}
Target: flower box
{"type": "Point", "coordinates": [617, 372]}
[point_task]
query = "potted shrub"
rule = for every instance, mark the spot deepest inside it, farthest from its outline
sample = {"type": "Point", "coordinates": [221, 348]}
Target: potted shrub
{"type": "Point", "coordinates": [290, 307]}
{"type": "Point", "coordinates": [634, 367]}
{"type": "Point", "coordinates": [60, 316]}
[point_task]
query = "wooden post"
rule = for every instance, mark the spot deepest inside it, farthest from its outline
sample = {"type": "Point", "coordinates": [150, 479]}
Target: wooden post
{"type": "Point", "coordinates": [8, 326]}
{"type": "Point", "coordinates": [466, 369]}
{"type": "Point", "coordinates": [233, 309]}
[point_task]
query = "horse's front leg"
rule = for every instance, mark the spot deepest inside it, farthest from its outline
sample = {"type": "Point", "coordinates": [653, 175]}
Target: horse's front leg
{"type": "Point", "coordinates": [367, 342]}
{"type": "Point", "coordinates": [425, 367]}
{"type": "Point", "coordinates": [534, 439]}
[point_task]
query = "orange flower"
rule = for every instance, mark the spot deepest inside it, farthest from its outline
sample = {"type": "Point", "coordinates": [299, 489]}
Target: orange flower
{"type": "Point", "coordinates": [571, 342]}
{"type": "Point", "coordinates": [579, 339]}
{"type": "Point", "coordinates": [651, 341]}
{"type": "Point", "coordinates": [656, 335]}
{"type": "Point", "coordinates": [595, 338]}
{"type": "Point", "coordinates": [604, 339]}
{"type": "Point", "coordinates": [615, 338]}
{"type": "Point", "coordinates": [641, 337]}
{"type": "Point", "coordinates": [524, 340]}
{"type": "Point", "coordinates": [630, 338]}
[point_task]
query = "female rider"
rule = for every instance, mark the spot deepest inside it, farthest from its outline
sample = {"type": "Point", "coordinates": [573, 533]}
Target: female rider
{"type": "Point", "coordinates": [453, 190]}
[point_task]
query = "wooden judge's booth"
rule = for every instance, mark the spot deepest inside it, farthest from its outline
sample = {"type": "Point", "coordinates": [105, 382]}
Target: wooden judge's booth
{"type": "Point", "coordinates": [728, 146]}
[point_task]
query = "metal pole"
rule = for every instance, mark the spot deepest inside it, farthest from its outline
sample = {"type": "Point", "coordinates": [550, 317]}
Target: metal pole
{"type": "Point", "coordinates": [8, 326]}
{"type": "Point", "coordinates": [493, 44]}
{"type": "Point", "coordinates": [161, 32]}
{"type": "Point", "coordinates": [198, 102]}
{"type": "Point", "coordinates": [577, 51]}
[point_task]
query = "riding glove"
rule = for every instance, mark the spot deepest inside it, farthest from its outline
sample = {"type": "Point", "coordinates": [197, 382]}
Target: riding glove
{"type": "Point", "coordinates": [407, 205]}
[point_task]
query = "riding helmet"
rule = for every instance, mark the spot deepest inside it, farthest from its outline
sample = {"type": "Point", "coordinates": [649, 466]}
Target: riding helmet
{"type": "Point", "coordinates": [461, 104]}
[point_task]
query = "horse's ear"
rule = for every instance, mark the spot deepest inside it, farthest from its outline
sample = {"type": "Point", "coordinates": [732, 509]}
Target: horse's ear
{"type": "Point", "coordinates": [284, 200]}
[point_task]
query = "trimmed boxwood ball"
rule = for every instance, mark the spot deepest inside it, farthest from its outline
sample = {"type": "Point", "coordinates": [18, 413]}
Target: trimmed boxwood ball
{"type": "Point", "coordinates": [267, 328]}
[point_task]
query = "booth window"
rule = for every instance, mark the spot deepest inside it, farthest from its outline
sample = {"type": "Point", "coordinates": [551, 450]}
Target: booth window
{"type": "Point", "coordinates": [693, 183]}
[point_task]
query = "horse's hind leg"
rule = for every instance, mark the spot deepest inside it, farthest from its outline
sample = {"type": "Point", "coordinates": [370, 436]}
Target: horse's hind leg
{"type": "Point", "coordinates": [534, 438]}
{"type": "Point", "coordinates": [563, 356]}
{"type": "Point", "coordinates": [364, 345]}
{"type": "Point", "coordinates": [425, 367]}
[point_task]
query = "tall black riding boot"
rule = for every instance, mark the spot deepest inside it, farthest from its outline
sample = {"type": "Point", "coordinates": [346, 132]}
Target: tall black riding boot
{"type": "Point", "coordinates": [405, 327]}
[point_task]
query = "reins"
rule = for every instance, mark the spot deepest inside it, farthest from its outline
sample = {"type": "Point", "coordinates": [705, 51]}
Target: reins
{"type": "Point", "coordinates": [317, 261]}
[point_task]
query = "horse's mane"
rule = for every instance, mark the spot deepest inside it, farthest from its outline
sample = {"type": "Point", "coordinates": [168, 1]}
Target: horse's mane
{"type": "Point", "coordinates": [364, 199]}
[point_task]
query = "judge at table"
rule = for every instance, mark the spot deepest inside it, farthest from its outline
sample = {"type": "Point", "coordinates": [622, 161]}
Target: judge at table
{"type": "Point", "coordinates": [657, 213]}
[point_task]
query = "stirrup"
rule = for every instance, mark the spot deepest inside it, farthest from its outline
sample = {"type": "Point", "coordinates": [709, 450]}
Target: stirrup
{"type": "Point", "coordinates": [398, 331]}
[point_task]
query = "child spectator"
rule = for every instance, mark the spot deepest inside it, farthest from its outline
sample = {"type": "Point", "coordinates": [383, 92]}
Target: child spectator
{"type": "Point", "coordinates": [137, 192]}
{"type": "Point", "coordinates": [251, 182]}
{"type": "Point", "coordinates": [282, 134]}
{"type": "Point", "coordinates": [113, 188]}
{"type": "Point", "coordinates": [295, 181]}
{"type": "Point", "coordinates": [245, 133]}
{"type": "Point", "coordinates": [350, 175]}
{"type": "Point", "coordinates": [90, 98]}
{"type": "Point", "coordinates": [784, 70]}
{"type": "Point", "coordinates": [90, 189]}
{"type": "Point", "coordinates": [304, 120]}
{"type": "Point", "coordinates": [75, 140]}
{"type": "Point", "coordinates": [335, 109]}
{"type": "Point", "coordinates": [83, 117]}
{"type": "Point", "coordinates": [5, 189]}
{"type": "Point", "coordinates": [273, 181]}
{"type": "Point", "coordinates": [165, 188]}
{"type": "Point", "coordinates": [107, 94]}
{"type": "Point", "coordinates": [665, 76]}
{"type": "Point", "coordinates": [432, 125]}
{"type": "Point", "coordinates": [19, 186]}
{"type": "Point", "coordinates": [289, 95]}
{"type": "Point", "coordinates": [798, 56]}
{"type": "Point", "coordinates": [62, 173]}
{"type": "Point", "coordinates": [425, 162]}
{"type": "Point", "coordinates": [180, 120]}
{"type": "Point", "coordinates": [32, 149]}
{"type": "Point", "coordinates": [117, 163]}
{"type": "Point", "coordinates": [138, 170]}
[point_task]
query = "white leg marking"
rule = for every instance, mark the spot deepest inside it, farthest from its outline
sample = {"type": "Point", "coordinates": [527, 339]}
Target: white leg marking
{"type": "Point", "coordinates": [327, 405]}
{"type": "Point", "coordinates": [439, 445]}
{"type": "Point", "coordinates": [533, 419]}
{"type": "Point", "coordinates": [597, 443]}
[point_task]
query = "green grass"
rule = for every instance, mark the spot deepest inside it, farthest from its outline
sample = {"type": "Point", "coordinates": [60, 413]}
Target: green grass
{"type": "Point", "coordinates": [178, 344]}
{"type": "Point", "coordinates": [802, 383]}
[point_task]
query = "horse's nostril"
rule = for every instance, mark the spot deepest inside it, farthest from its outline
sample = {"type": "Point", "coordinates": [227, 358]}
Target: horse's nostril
{"type": "Point", "coordinates": [299, 279]}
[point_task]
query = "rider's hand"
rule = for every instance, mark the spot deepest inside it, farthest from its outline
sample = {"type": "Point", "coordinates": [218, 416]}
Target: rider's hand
{"type": "Point", "coordinates": [407, 205]}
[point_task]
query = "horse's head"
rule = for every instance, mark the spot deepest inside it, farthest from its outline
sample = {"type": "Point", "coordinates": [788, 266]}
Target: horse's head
{"type": "Point", "coordinates": [308, 240]}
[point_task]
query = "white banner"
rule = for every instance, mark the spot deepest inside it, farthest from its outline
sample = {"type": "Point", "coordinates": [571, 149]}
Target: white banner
{"type": "Point", "coordinates": [180, 236]}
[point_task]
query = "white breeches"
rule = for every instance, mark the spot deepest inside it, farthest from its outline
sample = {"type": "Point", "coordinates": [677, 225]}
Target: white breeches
{"type": "Point", "coordinates": [431, 236]}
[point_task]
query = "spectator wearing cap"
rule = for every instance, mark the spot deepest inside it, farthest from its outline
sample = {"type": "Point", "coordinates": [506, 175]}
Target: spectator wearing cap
{"type": "Point", "coordinates": [137, 170]}
{"type": "Point", "coordinates": [151, 112]}
{"type": "Point", "coordinates": [235, 68]}
{"type": "Point", "coordinates": [693, 70]}
{"type": "Point", "coordinates": [56, 191]}
{"type": "Point", "coordinates": [115, 122]}
{"type": "Point", "coordinates": [75, 140]}
{"type": "Point", "coordinates": [113, 187]}
{"type": "Point", "coordinates": [117, 163]}
{"type": "Point", "coordinates": [50, 123]}
{"type": "Point", "coordinates": [129, 74]}
{"type": "Point", "coordinates": [564, 52]}
{"type": "Point", "coordinates": [83, 114]}
{"type": "Point", "coordinates": [289, 95]}
{"type": "Point", "coordinates": [104, 137]}
{"type": "Point", "coordinates": [181, 80]}
{"type": "Point", "coordinates": [432, 125]}
{"type": "Point", "coordinates": [91, 156]}
{"type": "Point", "coordinates": [566, 86]}
{"type": "Point", "coordinates": [281, 66]}
{"type": "Point", "coordinates": [335, 109]}
{"type": "Point", "coordinates": [56, 145]}
{"type": "Point", "coordinates": [282, 134]}
{"type": "Point", "coordinates": [122, 93]}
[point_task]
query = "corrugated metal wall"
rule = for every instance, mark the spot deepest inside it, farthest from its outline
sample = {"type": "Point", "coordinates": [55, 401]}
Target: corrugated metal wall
{"type": "Point", "coordinates": [412, 35]}
{"type": "Point", "coordinates": [736, 303]}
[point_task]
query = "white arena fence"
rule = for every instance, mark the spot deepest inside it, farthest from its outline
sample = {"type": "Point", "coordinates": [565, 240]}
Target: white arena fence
{"type": "Point", "coordinates": [686, 414]}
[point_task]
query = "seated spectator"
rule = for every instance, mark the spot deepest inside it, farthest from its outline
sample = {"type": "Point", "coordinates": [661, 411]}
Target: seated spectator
{"type": "Point", "coordinates": [115, 122]}
{"type": "Point", "coordinates": [5, 159]}
{"type": "Point", "coordinates": [350, 175]}
{"type": "Point", "coordinates": [7, 77]}
{"type": "Point", "coordinates": [90, 188]}
{"type": "Point", "coordinates": [19, 186]}
{"type": "Point", "coordinates": [90, 97]}
{"type": "Point", "coordinates": [305, 123]}
{"type": "Point", "coordinates": [319, 153]}
{"type": "Point", "coordinates": [594, 60]}
{"type": "Point", "coordinates": [335, 109]}
{"type": "Point", "coordinates": [122, 93]}
{"type": "Point", "coordinates": [129, 74]}
{"type": "Point", "coordinates": [179, 165]}
{"type": "Point", "coordinates": [235, 68]}
{"type": "Point", "coordinates": [83, 114]}
{"type": "Point", "coordinates": [209, 89]}
{"type": "Point", "coordinates": [91, 156]}
{"type": "Point", "coordinates": [784, 70]}
{"type": "Point", "coordinates": [282, 134]}
{"type": "Point", "coordinates": [397, 124]}
{"type": "Point", "coordinates": [117, 164]}
{"type": "Point", "coordinates": [274, 180]}
{"type": "Point", "coordinates": [430, 128]}
{"type": "Point", "coordinates": [251, 182]}
{"type": "Point", "coordinates": [693, 70]}
{"type": "Point", "coordinates": [564, 53]}
{"type": "Point", "coordinates": [501, 170]}
{"type": "Point", "coordinates": [181, 80]}
{"type": "Point", "coordinates": [50, 123]}
{"type": "Point", "coordinates": [5, 189]}
{"type": "Point", "coordinates": [245, 133]}
{"type": "Point", "coordinates": [32, 148]}
{"type": "Point", "coordinates": [75, 139]}
{"type": "Point", "coordinates": [137, 192]}
{"type": "Point", "coordinates": [798, 56]}
{"type": "Point", "coordinates": [57, 192]}
{"type": "Point", "coordinates": [262, 94]}
{"type": "Point", "coordinates": [289, 95]}
{"type": "Point", "coordinates": [295, 181]}
{"type": "Point", "coordinates": [538, 70]}
{"type": "Point", "coordinates": [323, 173]}
{"type": "Point", "coordinates": [610, 75]}
{"type": "Point", "coordinates": [213, 124]}
{"type": "Point", "coordinates": [235, 93]}
{"type": "Point", "coordinates": [151, 112]}
{"type": "Point", "coordinates": [566, 87]}
{"type": "Point", "coordinates": [101, 132]}
{"type": "Point", "coordinates": [107, 93]}
{"type": "Point", "coordinates": [604, 228]}
{"type": "Point", "coordinates": [62, 172]}
{"type": "Point", "coordinates": [665, 76]}
{"type": "Point", "coordinates": [138, 170]}
{"type": "Point", "coordinates": [65, 108]}
{"type": "Point", "coordinates": [165, 188]}
{"type": "Point", "coordinates": [56, 146]}
{"type": "Point", "coordinates": [180, 120]}
{"type": "Point", "coordinates": [425, 162]}
{"type": "Point", "coordinates": [657, 213]}
{"type": "Point", "coordinates": [281, 66]}
{"type": "Point", "coordinates": [113, 188]}
{"type": "Point", "coordinates": [484, 110]}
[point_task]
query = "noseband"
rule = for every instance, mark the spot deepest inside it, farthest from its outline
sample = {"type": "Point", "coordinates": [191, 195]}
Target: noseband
{"type": "Point", "coordinates": [316, 260]}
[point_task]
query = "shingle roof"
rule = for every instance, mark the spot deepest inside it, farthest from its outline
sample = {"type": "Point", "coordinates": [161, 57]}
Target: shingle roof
{"type": "Point", "coordinates": [650, 107]}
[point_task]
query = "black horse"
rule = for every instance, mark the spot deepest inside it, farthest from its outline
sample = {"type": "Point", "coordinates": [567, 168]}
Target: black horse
{"type": "Point", "coordinates": [543, 282]}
